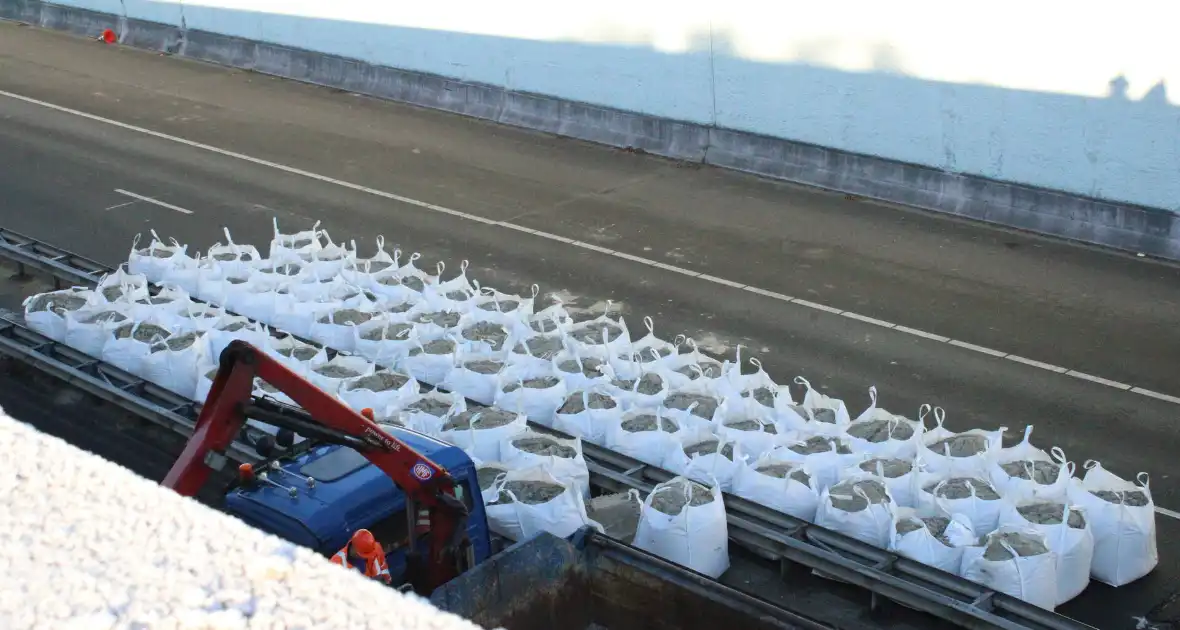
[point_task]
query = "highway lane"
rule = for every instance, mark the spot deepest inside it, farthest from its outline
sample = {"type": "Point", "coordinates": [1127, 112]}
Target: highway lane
{"type": "Point", "coordinates": [1070, 306]}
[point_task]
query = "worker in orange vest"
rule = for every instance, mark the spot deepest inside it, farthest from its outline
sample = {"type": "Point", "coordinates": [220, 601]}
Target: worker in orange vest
{"type": "Point", "coordinates": [363, 547]}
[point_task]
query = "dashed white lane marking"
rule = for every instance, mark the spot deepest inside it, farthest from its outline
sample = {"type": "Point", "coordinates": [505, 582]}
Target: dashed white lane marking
{"type": "Point", "coordinates": [1167, 512]}
{"type": "Point", "coordinates": [152, 201]}
{"type": "Point", "coordinates": [588, 246]}
{"type": "Point", "coordinates": [118, 205]}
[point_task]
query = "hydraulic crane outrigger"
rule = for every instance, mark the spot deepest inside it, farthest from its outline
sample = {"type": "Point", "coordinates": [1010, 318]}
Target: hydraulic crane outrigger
{"type": "Point", "coordinates": [426, 484]}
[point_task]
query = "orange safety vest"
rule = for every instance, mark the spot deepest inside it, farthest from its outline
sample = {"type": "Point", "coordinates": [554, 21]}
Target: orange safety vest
{"type": "Point", "coordinates": [375, 567]}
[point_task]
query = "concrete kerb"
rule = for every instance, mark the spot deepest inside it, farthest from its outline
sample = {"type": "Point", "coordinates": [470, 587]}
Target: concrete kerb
{"type": "Point", "coordinates": [1150, 231]}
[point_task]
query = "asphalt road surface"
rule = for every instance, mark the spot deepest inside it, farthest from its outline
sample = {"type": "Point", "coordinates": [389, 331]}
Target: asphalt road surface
{"type": "Point", "coordinates": [235, 149]}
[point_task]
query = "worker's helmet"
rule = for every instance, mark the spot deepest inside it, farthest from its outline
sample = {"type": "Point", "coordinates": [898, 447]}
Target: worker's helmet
{"type": "Point", "coordinates": [364, 544]}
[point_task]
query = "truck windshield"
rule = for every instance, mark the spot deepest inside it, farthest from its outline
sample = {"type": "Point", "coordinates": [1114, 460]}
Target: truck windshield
{"type": "Point", "coordinates": [338, 464]}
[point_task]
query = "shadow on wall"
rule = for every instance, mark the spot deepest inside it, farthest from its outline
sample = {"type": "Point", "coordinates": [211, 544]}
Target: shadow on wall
{"type": "Point", "coordinates": [1110, 148]}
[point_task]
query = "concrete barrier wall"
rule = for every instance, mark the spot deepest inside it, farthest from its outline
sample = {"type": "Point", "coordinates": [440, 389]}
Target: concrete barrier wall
{"type": "Point", "coordinates": [1041, 94]}
{"type": "Point", "coordinates": [1037, 116]}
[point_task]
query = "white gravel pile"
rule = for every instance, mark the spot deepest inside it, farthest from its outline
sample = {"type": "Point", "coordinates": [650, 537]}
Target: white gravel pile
{"type": "Point", "coordinates": [88, 545]}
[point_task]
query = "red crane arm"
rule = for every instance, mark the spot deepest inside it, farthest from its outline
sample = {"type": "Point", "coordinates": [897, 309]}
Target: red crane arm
{"type": "Point", "coordinates": [224, 413]}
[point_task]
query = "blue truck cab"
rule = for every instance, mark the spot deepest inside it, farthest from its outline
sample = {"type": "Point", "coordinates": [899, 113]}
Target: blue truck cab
{"type": "Point", "coordinates": [348, 493]}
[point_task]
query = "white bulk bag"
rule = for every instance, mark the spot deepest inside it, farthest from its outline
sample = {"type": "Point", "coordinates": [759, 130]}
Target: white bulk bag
{"type": "Point", "coordinates": [296, 317]}
{"type": "Point", "coordinates": [121, 287]}
{"type": "Point", "coordinates": [829, 416]}
{"type": "Point", "coordinates": [579, 369]}
{"type": "Point", "coordinates": [431, 362]}
{"type": "Point", "coordinates": [432, 323]}
{"type": "Point", "coordinates": [456, 294]}
{"type": "Point", "coordinates": [258, 298]}
{"type": "Point", "coordinates": [481, 334]}
{"type": "Point", "coordinates": [518, 519]}
{"type": "Point", "coordinates": [333, 326]}
{"type": "Point", "coordinates": [529, 348]}
{"type": "Point", "coordinates": [552, 318]}
{"type": "Point", "coordinates": [755, 395]}
{"type": "Point", "coordinates": [942, 548]}
{"type": "Point", "coordinates": [174, 362]}
{"type": "Point", "coordinates": [359, 271]}
{"type": "Point", "coordinates": [825, 455]}
{"type": "Point", "coordinates": [970, 495]}
{"type": "Point", "coordinates": [88, 328]}
{"type": "Point", "coordinates": [200, 316]}
{"type": "Point", "coordinates": [586, 413]}
{"type": "Point", "coordinates": [696, 404]}
{"type": "Point", "coordinates": [1017, 562]}
{"type": "Point", "coordinates": [482, 430]}
{"type": "Point", "coordinates": [490, 475]}
{"type": "Point", "coordinates": [969, 452]}
{"type": "Point", "coordinates": [884, 434]}
{"type": "Point", "coordinates": [644, 434]}
{"type": "Point", "coordinates": [46, 312]}
{"type": "Point", "coordinates": [704, 456]}
{"type": "Point", "coordinates": [646, 387]}
{"type": "Point", "coordinates": [296, 354]}
{"type": "Point", "coordinates": [860, 507]}
{"type": "Point", "coordinates": [379, 389]}
{"type": "Point", "coordinates": [534, 390]}
{"type": "Point", "coordinates": [168, 301]}
{"type": "Point", "coordinates": [384, 340]}
{"type": "Point", "coordinates": [296, 243]}
{"type": "Point", "coordinates": [476, 376]}
{"type": "Point", "coordinates": [205, 375]}
{"type": "Point", "coordinates": [328, 260]}
{"type": "Point", "coordinates": [903, 476]}
{"type": "Point", "coordinates": [329, 375]}
{"type": "Point", "coordinates": [188, 278]}
{"type": "Point", "coordinates": [755, 434]}
{"type": "Point", "coordinates": [499, 306]}
{"type": "Point", "coordinates": [215, 285]}
{"type": "Point", "coordinates": [694, 367]}
{"type": "Point", "coordinates": [401, 284]}
{"type": "Point", "coordinates": [426, 412]}
{"type": "Point", "coordinates": [562, 458]}
{"type": "Point", "coordinates": [233, 259]}
{"type": "Point", "coordinates": [588, 336]}
{"type": "Point", "coordinates": [1026, 470]}
{"type": "Point", "coordinates": [639, 356]}
{"type": "Point", "coordinates": [263, 389]}
{"type": "Point", "coordinates": [155, 261]}
{"type": "Point", "coordinates": [695, 536]}
{"type": "Point", "coordinates": [230, 327]}
{"type": "Point", "coordinates": [1124, 527]}
{"type": "Point", "coordinates": [1070, 538]}
{"type": "Point", "coordinates": [130, 343]}
{"type": "Point", "coordinates": [778, 483]}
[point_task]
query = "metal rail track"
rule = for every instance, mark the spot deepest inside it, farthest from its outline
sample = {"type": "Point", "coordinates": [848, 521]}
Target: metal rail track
{"type": "Point", "coordinates": [767, 533]}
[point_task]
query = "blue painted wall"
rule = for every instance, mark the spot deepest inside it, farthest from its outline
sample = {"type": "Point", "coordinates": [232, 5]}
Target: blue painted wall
{"type": "Point", "coordinates": [1040, 94]}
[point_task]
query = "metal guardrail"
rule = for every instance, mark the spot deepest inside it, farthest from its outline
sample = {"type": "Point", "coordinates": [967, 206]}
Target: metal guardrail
{"type": "Point", "coordinates": [767, 533]}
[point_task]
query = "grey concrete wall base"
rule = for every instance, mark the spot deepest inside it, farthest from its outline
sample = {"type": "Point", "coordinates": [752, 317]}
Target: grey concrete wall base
{"type": "Point", "coordinates": [1122, 226]}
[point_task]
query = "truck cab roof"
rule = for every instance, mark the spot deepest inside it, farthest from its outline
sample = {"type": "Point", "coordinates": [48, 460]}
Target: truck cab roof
{"type": "Point", "coordinates": [348, 493]}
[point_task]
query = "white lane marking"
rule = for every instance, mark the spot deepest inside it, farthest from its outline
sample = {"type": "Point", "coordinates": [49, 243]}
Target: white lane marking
{"type": "Point", "coordinates": [922, 333]}
{"type": "Point", "coordinates": [868, 320]}
{"type": "Point", "coordinates": [1098, 379]}
{"type": "Point", "coordinates": [118, 205]}
{"type": "Point", "coordinates": [1148, 392]}
{"type": "Point", "coordinates": [983, 349]}
{"type": "Point", "coordinates": [1166, 512]}
{"type": "Point", "coordinates": [150, 200]}
{"type": "Point", "coordinates": [437, 208]}
{"type": "Point", "coordinates": [1038, 364]}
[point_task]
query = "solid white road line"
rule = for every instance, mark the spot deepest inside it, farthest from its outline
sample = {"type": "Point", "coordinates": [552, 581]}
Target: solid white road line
{"type": "Point", "coordinates": [588, 246]}
{"type": "Point", "coordinates": [150, 200]}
